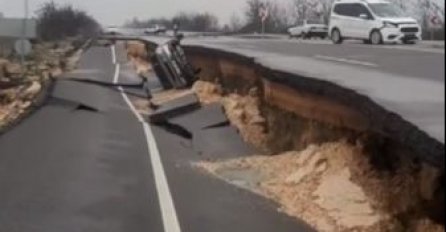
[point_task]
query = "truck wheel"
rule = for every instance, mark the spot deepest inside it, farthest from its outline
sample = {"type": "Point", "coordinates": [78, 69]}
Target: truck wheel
{"type": "Point", "coordinates": [376, 37]}
{"type": "Point", "coordinates": [336, 36]}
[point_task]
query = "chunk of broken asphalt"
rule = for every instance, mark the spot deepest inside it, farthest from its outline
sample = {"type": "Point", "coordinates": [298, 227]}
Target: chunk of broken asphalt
{"type": "Point", "coordinates": [206, 117]}
{"type": "Point", "coordinates": [175, 108]}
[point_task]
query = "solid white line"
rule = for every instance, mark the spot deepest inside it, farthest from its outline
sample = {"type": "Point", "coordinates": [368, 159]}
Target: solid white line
{"type": "Point", "coordinates": [113, 51]}
{"type": "Point", "coordinates": [126, 98]}
{"type": "Point", "coordinates": [132, 107]}
{"type": "Point", "coordinates": [168, 212]}
{"type": "Point", "coordinates": [117, 71]}
{"type": "Point", "coordinates": [357, 62]}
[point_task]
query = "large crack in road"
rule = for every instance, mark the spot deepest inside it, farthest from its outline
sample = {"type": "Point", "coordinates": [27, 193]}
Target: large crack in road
{"type": "Point", "coordinates": [382, 185]}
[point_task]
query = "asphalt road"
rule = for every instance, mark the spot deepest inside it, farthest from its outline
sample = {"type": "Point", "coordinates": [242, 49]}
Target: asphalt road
{"type": "Point", "coordinates": [86, 162]}
{"type": "Point", "coordinates": [405, 79]}
{"type": "Point", "coordinates": [416, 62]}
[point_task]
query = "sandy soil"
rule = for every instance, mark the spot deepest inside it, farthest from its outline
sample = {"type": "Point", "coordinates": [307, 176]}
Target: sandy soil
{"type": "Point", "coordinates": [332, 185]}
{"type": "Point", "coordinates": [47, 59]}
{"type": "Point", "coordinates": [313, 185]}
{"type": "Point", "coordinates": [316, 185]}
{"type": "Point", "coordinates": [242, 111]}
{"type": "Point", "coordinates": [137, 55]}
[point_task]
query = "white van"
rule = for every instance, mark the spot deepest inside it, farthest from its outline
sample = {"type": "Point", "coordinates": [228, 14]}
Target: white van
{"type": "Point", "coordinates": [373, 21]}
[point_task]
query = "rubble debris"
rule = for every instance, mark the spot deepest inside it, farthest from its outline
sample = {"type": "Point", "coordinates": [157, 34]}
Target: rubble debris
{"type": "Point", "coordinates": [329, 177]}
{"type": "Point", "coordinates": [138, 56]}
{"type": "Point", "coordinates": [320, 185]}
{"type": "Point", "coordinates": [20, 85]}
{"type": "Point", "coordinates": [207, 92]}
{"type": "Point", "coordinates": [242, 111]}
{"type": "Point", "coordinates": [332, 185]}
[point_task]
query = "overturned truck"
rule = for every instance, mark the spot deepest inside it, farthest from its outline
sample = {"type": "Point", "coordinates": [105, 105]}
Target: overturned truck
{"type": "Point", "coordinates": [171, 65]}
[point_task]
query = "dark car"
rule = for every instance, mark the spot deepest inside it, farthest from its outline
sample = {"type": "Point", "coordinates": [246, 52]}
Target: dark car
{"type": "Point", "coordinates": [155, 30]}
{"type": "Point", "coordinates": [172, 67]}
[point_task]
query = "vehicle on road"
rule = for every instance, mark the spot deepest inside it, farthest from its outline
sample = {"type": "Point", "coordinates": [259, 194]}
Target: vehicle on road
{"type": "Point", "coordinates": [308, 29]}
{"type": "Point", "coordinates": [171, 65]}
{"type": "Point", "coordinates": [373, 21]}
{"type": "Point", "coordinates": [155, 30]}
{"type": "Point", "coordinates": [112, 30]}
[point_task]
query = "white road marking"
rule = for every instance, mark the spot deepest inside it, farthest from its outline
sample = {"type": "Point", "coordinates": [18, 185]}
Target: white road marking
{"type": "Point", "coordinates": [168, 211]}
{"type": "Point", "coordinates": [117, 71]}
{"type": "Point", "coordinates": [348, 61]}
{"type": "Point", "coordinates": [420, 47]}
{"type": "Point", "coordinates": [113, 51]}
{"type": "Point", "coordinates": [167, 206]}
{"type": "Point", "coordinates": [124, 95]}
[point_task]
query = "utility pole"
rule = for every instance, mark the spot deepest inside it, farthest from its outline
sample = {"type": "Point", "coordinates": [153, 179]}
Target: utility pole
{"type": "Point", "coordinates": [23, 39]}
{"type": "Point", "coordinates": [263, 14]}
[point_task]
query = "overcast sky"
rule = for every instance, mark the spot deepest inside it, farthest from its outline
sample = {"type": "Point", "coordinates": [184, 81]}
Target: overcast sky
{"type": "Point", "coordinates": [116, 12]}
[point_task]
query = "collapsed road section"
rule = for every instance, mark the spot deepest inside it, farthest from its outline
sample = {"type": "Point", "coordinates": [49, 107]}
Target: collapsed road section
{"type": "Point", "coordinates": [339, 159]}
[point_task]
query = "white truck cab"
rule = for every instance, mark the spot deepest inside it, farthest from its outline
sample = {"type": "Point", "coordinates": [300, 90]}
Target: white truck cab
{"type": "Point", "coordinates": [373, 21]}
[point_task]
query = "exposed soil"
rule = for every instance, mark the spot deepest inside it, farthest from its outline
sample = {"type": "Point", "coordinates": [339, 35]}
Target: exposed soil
{"type": "Point", "coordinates": [313, 185]}
{"type": "Point", "coordinates": [137, 55]}
{"type": "Point", "coordinates": [334, 179]}
{"type": "Point", "coordinates": [322, 186]}
{"type": "Point", "coordinates": [242, 111]}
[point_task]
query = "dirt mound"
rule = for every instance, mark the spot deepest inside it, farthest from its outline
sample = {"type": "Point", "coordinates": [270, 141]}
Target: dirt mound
{"type": "Point", "coordinates": [333, 178]}
{"type": "Point", "coordinates": [138, 56]}
{"type": "Point", "coordinates": [242, 111]}
{"type": "Point", "coordinates": [319, 186]}
{"type": "Point", "coordinates": [336, 179]}
{"type": "Point", "coordinates": [20, 85]}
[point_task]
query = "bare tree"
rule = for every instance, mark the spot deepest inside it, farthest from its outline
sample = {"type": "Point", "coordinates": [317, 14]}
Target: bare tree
{"type": "Point", "coordinates": [253, 22]}
{"type": "Point", "coordinates": [197, 21]}
{"type": "Point", "coordinates": [312, 9]}
{"type": "Point", "coordinates": [185, 20]}
{"type": "Point", "coordinates": [58, 22]}
{"type": "Point", "coordinates": [276, 22]}
{"type": "Point", "coordinates": [235, 23]}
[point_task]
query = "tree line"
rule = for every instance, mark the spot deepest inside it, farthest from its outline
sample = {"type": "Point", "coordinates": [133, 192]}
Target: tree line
{"type": "Point", "coordinates": [60, 21]}
{"type": "Point", "coordinates": [188, 21]}
{"type": "Point", "coordinates": [55, 22]}
{"type": "Point", "coordinates": [281, 16]}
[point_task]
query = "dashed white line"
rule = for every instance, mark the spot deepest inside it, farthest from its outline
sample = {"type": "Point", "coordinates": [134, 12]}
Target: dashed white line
{"type": "Point", "coordinates": [167, 206]}
{"type": "Point", "coordinates": [348, 61]}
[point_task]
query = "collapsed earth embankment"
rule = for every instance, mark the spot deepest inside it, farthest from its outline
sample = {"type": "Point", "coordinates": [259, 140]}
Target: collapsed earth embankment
{"type": "Point", "coordinates": [337, 159]}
